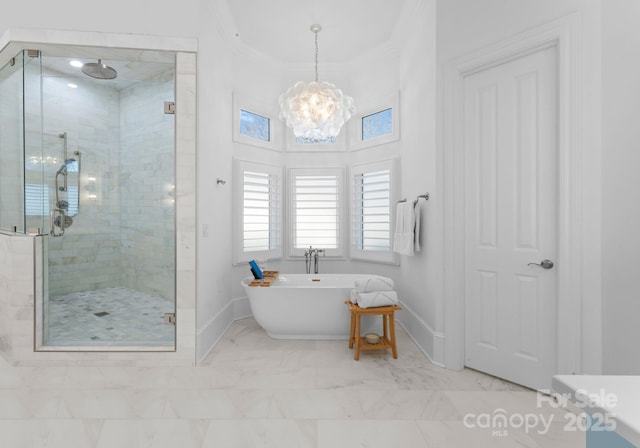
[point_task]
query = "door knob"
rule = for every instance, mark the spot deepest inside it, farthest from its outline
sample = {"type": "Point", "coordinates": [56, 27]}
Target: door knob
{"type": "Point", "coordinates": [544, 264]}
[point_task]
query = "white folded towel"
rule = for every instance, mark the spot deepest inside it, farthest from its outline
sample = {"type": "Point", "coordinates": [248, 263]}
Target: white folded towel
{"type": "Point", "coordinates": [371, 284]}
{"type": "Point", "coordinates": [377, 298]}
{"type": "Point", "coordinates": [403, 238]}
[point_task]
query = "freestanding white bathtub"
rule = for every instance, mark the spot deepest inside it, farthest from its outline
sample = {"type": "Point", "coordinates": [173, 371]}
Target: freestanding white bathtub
{"type": "Point", "coordinates": [297, 307]}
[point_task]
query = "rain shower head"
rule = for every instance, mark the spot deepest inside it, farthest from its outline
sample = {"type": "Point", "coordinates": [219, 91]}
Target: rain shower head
{"type": "Point", "coordinates": [99, 70]}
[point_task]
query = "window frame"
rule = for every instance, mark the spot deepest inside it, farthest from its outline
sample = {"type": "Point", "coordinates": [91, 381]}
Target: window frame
{"type": "Point", "coordinates": [240, 255]}
{"type": "Point", "coordinates": [390, 101]}
{"type": "Point", "coordinates": [384, 257]}
{"type": "Point", "coordinates": [265, 110]}
{"type": "Point", "coordinates": [339, 172]}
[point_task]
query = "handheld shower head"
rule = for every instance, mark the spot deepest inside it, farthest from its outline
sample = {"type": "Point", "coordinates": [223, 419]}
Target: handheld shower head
{"type": "Point", "coordinates": [62, 170]}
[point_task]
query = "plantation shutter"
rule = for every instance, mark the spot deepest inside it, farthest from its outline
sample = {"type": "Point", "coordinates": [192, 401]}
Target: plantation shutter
{"type": "Point", "coordinates": [371, 217]}
{"type": "Point", "coordinates": [316, 205]}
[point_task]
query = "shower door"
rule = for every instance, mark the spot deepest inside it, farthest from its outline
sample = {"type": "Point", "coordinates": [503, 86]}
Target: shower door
{"type": "Point", "coordinates": [108, 174]}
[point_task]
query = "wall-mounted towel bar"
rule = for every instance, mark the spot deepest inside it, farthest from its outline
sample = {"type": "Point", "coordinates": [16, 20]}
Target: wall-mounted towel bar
{"type": "Point", "coordinates": [425, 196]}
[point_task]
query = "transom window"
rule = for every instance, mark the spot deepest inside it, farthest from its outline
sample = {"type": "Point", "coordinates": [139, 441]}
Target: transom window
{"type": "Point", "coordinates": [254, 125]}
{"type": "Point", "coordinates": [377, 124]}
{"type": "Point", "coordinates": [327, 141]}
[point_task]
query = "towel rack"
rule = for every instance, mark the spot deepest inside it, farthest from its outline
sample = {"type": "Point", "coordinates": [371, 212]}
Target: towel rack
{"type": "Point", "coordinates": [425, 196]}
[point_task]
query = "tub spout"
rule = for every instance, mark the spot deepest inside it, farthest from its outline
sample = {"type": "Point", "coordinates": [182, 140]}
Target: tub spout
{"type": "Point", "coordinates": [315, 259]}
{"type": "Point", "coordinates": [307, 259]}
{"type": "Point", "coordinates": [308, 255]}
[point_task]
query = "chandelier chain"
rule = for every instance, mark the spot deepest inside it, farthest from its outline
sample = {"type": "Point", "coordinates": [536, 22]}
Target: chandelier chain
{"type": "Point", "coordinates": [316, 33]}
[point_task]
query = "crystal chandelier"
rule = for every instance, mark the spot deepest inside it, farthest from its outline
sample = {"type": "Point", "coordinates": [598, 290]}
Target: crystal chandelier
{"type": "Point", "coordinates": [315, 111]}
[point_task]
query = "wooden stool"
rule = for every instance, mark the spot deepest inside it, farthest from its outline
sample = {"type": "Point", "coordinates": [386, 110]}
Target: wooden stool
{"type": "Point", "coordinates": [387, 340]}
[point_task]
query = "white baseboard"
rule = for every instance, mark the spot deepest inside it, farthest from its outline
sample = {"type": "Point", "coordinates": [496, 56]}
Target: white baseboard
{"type": "Point", "coordinates": [213, 330]}
{"type": "Point", "coordinates": [241, 308]}
{"type": "Point", "coordinates": [217, 326]}
{"type": "Point", "coordinates": [428, 340]}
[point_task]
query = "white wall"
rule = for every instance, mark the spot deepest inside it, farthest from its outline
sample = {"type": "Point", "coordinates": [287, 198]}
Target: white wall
{"type": "Point", "coordinates": [215, 85]}
{"type": "Point", "coordinates": [621, 185]}
{"type": "Point", "coordinates": [420, 282]}
{"type": "Point", "coordinates": [465, 26]}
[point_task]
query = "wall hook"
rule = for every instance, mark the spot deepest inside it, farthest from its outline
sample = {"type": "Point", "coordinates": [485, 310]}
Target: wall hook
{"type": "Point", "coordinates": [220, 181]}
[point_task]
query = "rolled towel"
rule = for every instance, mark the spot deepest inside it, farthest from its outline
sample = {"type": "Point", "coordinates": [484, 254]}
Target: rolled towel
{"type": "Point", "coordinates": [378, 298]}
{"type": "Point", "coordinates": [353, 296]}
{"type": "Point", "coordinates": [373, 284]}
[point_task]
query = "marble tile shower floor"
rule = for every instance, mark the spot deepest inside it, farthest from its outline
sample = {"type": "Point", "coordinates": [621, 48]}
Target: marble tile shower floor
{"type": "Point", "coordinates": [109, 317]}
{"type": "Point", "coordinates": [254, 391]}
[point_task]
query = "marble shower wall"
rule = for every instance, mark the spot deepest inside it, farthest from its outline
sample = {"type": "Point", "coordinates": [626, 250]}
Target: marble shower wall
{"type": "Point", "coordinates": [88, 255]}
{"type": "Point", "coordinates": [124, 234]}
{"type": "Point", "coordinates": [147, 188]}
{"type": "Point", "coordinates": [19, 260]}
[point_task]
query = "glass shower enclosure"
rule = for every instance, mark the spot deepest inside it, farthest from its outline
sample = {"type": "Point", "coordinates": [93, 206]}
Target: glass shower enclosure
{"type": "Point", "coordinates": [87, 157]}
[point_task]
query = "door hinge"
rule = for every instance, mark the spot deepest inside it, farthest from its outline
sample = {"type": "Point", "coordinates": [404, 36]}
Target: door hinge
{"type": "Point", "coordinates": [169, 107]}
{"type": "Point", "coordinates": [170, 318]}
{"type": "Point", "coordinates": [33, 53]}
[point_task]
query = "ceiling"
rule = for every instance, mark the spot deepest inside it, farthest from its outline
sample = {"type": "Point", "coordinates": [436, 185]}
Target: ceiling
{"type": "Point", "coordinates": [281, 28]}
{"type": "Point", "coordinates": [278, 28]}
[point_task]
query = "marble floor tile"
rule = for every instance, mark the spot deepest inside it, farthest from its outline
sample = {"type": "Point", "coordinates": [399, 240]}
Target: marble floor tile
{"type": "Point", "coordinates": [358, 376]}
{"type": "Point", "coordinates": [152, 433]}
{"type": "Point", "coordinates": [457, 435]}
{"type": "Point", "coordinates": [98, 403]}
{"type": "Point", "coordinates": [14, 404]}
{"type": "Point", "coordinates": [520, 402]}
{"type": "Point", "coordinates": [254, 391]}
{"type": "Point", "coordinates": [17, 433]}
{"type": "Point", "coordinates": [261, 434]}
{"type": "Point", "coordinates": [316, 404]}
{"type": "Point", "coordinates": [109, 316]}
{"type": "Point", "coordinates": [369, 434]}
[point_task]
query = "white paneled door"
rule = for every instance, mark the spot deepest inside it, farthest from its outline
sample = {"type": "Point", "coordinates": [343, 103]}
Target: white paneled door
{"type": "Point", "coordinates": [511, 219]}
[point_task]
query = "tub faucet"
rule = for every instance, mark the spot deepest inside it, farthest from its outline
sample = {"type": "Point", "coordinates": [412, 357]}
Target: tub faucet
{"type": "Point", "coordinates": [312, 253]}
{"type": "Point", "coordinates": [315, 259]}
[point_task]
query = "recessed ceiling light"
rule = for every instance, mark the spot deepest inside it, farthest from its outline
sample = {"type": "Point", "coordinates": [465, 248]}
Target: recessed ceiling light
{"type": "Point", "coordinates": [75, 63]}
{"type": "Point", "coordinates": [73, 86]}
